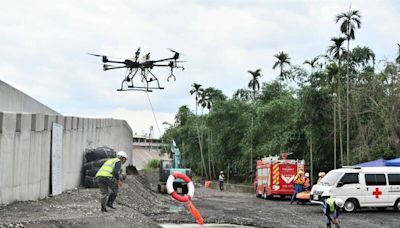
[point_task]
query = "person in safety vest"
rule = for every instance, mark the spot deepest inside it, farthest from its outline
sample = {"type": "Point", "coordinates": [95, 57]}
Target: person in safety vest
{"type": "Point", "coordinates": [108, 178]}
{"type": "Point", "coordinates": [298, 185]}
{"type": "Point", "coordinates": [221, 180]}
{"type": "Point", "coordinates": [331, 208]}
{"type": "Point", "coordinates": [307, 182]}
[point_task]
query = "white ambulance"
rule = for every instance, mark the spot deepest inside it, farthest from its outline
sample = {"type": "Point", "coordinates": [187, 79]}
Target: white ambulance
{"type": "Point", "coordinates": [361, 187]}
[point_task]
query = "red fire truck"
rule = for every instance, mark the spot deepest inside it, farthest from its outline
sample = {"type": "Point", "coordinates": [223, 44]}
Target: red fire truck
{"type": "Point", "coordinates": [275, 176]}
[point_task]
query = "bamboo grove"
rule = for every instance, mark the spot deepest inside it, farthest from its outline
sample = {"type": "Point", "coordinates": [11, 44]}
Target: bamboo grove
{"type": "Point", "coordinates": [342, 107]}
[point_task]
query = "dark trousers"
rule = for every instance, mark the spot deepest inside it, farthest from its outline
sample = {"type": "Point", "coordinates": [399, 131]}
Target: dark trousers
{"type": "Point", "coordinates": [106, 184]}
{"type": "Point", "coordinates": [221, 185]}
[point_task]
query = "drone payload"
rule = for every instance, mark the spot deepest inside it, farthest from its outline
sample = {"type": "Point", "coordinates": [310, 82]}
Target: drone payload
{"type": "Point", "coordinates": [133, 66]}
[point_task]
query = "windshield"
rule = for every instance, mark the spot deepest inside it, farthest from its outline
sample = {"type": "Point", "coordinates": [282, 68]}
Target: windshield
{"type": "Point", "coordinates": [331, 178]}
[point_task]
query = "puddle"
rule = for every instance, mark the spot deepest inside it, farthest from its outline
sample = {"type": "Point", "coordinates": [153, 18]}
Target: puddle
{"type": "Point", "coordinates": [175, 209]}
{"type": "Point", "coordinates": [193, 225]}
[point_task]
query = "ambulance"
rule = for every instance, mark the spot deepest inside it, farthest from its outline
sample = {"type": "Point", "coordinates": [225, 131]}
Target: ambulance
{"type": "Point", "coordinates": [361, 187]}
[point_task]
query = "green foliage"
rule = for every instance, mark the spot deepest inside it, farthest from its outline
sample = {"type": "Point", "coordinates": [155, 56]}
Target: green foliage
{"type": "Point", "coordinates": [279, 118]}
{"type": "Point", "coordinates": [153, 164]}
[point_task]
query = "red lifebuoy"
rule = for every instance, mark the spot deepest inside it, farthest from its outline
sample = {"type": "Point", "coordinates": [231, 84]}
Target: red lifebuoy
{"type": "Point", "coordinates": [171, 191]}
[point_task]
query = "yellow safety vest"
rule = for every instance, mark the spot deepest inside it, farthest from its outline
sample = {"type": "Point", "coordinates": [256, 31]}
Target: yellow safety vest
{"type": "Point", "coordinates": [331, 203]}
{"type": "Point", "coordinates": [107, 169]}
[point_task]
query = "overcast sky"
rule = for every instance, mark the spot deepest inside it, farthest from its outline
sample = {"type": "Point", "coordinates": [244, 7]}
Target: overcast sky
{"type": "Point", "coordinates": [43, 46]}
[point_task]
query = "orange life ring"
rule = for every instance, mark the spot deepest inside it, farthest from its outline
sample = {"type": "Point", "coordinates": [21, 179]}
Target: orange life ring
{"type": "Point", "coordinates": [171, 191]}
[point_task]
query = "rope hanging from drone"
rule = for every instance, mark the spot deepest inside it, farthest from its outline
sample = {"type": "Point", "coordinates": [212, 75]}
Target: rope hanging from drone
{"type": "Point", "coordinates": [133, 66]}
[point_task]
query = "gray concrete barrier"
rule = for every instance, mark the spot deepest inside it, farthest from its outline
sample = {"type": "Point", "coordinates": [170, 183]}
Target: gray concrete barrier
{"type": "Point", "coordinates": [25, 152]}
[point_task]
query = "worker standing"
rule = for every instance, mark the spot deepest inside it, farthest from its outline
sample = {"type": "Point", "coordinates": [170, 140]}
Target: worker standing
{"type": "Point", "coordinates": [307, 182]}
{"type": "Point", "coordinates": [298, 184]}
{"type": "Point", "coordinates": [108, 178]}
{"type": "Point", "coordinates": [320, 176]}
{"type": "Point", "coordinates": [221, 180]}
{"type": "Point", "coordinates": [331, 207]}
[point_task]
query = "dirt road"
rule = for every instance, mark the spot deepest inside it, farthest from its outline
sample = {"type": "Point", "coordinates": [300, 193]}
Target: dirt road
{"type": "Point", "coordinates": [140, 206]}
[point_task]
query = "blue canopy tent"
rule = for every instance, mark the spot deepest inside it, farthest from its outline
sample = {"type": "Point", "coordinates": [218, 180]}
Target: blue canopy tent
{"type": "Point", "coordinates": [375, 163]}
{"type": "Point", "coordinates": [393, 162]}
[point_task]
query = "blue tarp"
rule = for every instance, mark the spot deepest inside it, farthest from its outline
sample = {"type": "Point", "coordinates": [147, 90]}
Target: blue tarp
{"type": "Point", "coordinates": [393, 162]}
{"type": "Point", "coordinates": [375, 163]}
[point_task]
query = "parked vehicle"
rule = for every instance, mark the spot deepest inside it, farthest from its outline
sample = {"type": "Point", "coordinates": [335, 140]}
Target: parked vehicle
{"type": "Point", "coordinates": [275, 177]}
{"type": "Point", "coordinates": [173, 165]}
{"type": "Point", "coordinates": [361, 187]}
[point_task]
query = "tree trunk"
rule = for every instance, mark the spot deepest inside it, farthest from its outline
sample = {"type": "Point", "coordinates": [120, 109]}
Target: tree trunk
{"type": "Point", "coordinates": [340, 119]}
{"type": "Point", "coordinates": [334, 135]}
{"type": "Point", "coordinates": [348, 105]}
{"type": "Point", "coordinates": [311, 160]}
{"type": "Point", "coordinates": [209, 154]}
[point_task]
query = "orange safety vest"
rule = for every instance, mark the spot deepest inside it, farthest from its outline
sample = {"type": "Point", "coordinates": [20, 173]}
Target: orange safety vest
{"type": "Point", "coordinates": [299, 180]}
{"type": "Point", "coordinates": [307, 184]}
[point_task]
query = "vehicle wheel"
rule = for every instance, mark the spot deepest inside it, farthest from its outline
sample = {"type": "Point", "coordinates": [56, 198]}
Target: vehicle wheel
{"type": "Point", "coordinates": [159, 188]}
{"type": "Point", "coordinates": [397, 205]}
{"type": "Point", "coordinates": [350, 205]}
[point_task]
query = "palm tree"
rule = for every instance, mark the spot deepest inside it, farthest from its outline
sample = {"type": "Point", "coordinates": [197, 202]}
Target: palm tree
{"type": "Point", "coordinates": [349, 22]}
{"type": "Point", "coordinates": [254, 84]}
{"type": "Point", "coordinates": [336, 51]}
{"type": "Point", "coordinates": [398, 57]}
{"type": "Point", "coordinates": [313, 63]}
{"type": "Point", "coordinates": [197, 90]}
{"type": "Point", "coordinates": [283, 60]}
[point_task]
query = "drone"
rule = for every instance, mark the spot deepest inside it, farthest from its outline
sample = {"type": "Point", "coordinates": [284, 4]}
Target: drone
{"type": "Point", "coordinates": [144, 67]}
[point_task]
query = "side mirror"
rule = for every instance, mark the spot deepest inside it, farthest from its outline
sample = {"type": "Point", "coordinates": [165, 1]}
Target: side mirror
{"type": "Point", "coordinates": [339, 184]}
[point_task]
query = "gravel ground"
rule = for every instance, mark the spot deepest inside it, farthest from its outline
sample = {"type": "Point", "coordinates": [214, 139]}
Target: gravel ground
{"type": "Point", "coordinates": [138, 205]}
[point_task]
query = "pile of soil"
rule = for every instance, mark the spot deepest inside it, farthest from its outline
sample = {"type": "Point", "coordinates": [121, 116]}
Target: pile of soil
{"type": "Point", "coordinates": [136, 203]}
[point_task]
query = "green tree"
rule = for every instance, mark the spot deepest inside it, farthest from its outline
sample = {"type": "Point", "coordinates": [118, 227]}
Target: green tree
{"type": "Point", "coordinates": [350, 21]}
{"type": "Point", "coordinates": [283, 60]}
{"type": "Point", "coordinates": [253, 83]}
{"type": "Point", "coordinates": [198, 91]}
{"type": "Point", "coordinates": [336, 51]}
{"type": "Point", "coordinates": [312, 63]}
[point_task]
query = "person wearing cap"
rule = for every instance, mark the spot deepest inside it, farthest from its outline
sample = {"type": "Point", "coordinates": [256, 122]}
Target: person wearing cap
{"type": "Point", "coordinates": [298, 184]}
{"type": "Point", "coordinates": [108, 178]}
{"type": "Point", "coordinates": [331, 209]}
{"type": "Point", "coordinates": [221, 180]}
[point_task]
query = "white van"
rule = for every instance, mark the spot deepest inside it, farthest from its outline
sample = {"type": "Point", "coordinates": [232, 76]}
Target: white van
{"type": "Point", "coordinates": [361, 187]}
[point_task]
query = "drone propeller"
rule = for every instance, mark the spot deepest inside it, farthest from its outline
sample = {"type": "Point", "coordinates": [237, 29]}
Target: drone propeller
{"type": "Point", "coordinates": [104, 58]}
{"type": "Point", "coordinates": [176, 54]}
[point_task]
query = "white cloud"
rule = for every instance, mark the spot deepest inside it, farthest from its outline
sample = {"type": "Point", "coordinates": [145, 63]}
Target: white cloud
{"type": "Point", "coordinates": [43, 45]}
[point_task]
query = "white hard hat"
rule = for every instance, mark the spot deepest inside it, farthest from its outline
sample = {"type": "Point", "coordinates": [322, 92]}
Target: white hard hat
{"type": "Point", "coordinates": [307, 174]}
{"type": "Point", "coordinates": [122, 154]}
{"type": "Point", "coordinates": [339, 203]}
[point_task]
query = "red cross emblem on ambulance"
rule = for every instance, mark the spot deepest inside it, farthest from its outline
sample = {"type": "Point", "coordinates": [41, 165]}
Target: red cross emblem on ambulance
{"type": "Point", "coordinates": [377, 193]}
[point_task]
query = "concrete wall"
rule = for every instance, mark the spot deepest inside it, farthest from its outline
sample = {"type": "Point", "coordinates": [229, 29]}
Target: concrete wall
{"type": "Point", "coordinates": [25, 141]}
{"type": "Point", "coordinates": [13, 100]}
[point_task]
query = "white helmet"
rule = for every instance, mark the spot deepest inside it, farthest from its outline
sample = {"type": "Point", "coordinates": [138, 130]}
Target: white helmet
{"type": "Point", "coordinates": [339, 203]}
{"type": "Point", "coordinates": [122, 154]}
{"type": "Point", "coordinates": [307, 175]}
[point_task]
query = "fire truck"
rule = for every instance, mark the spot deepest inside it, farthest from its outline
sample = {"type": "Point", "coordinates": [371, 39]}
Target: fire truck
{"type": "Point", "coordinates": [275, 176]}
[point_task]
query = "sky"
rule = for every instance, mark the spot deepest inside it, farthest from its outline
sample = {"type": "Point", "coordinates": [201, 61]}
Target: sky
{"type": "Point", "coordinates": [44, 46]}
